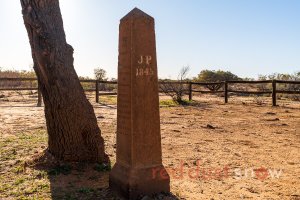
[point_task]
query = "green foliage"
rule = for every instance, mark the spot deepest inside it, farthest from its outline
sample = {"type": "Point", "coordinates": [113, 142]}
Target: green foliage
{"type": "Point", "coordinates": [100, 74]}
{"type": "Point", "coordinates": [27, 74]}
{"type": "Point", "coordinates": [168, 103]}
{"type": "Point", "coordinates": [63, 169]}
{"type": "Point", "coordinates": [84, 78]}
{"type": "Point", "coordinates": [282, 86]}
{"type": "Point", "coordinates": [17, 74]}
{"type": "Point", "coordinates": [172, 103]}
{"type": "Point", "coordinates": [103, 167]}
{"type": "Point", "coordinates": [278, 76]}
{"type": "Point", "coordinates": [216, 76]}
{"type": "Point", "coordinates": [19, 181]}
{"type": "Point", "coordinates": [86, 190]}
{"type": "Point", "coordinates": [108, 100]}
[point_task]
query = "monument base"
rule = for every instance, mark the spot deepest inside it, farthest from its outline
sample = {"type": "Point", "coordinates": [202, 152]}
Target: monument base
{"type": "Point", "coordinates": [131, 183]}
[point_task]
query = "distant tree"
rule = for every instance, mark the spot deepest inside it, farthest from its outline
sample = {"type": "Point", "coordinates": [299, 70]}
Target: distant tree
{"type": "Point", "coordinates": [176, 90]}
{"type": "Point", "coordinates": [182, 76]}
{"type": "Point", "coordinates": [111, 87]}
{"type": "Point", "coordinates": [280, 76]}
{"type": "Point", "coordinates": [84, 78]}
{"type": "Point", "coordinates": [262, 77]}
{"type": "Point", "coordinates": [27, 74]}
{"type": "Point", "coordinates": [289, 77]}
{"type": "Point", "coordinates": [249, 79]}
{"type": "Point", "coordinates": [100, 74]}
{"type": "Point", "coordinates": [216, 76]}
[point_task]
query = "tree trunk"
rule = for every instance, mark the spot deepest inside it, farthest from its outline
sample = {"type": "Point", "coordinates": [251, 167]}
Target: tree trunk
{"type": "Point", "coordinates": [71, 123]}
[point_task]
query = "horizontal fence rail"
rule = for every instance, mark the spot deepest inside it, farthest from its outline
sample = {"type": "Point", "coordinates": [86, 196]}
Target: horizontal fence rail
{"type": "Point", "coordinates": [18, 79]}
{"type": "Point", "coordinates": [251, 82]}
{"type": "Point", "coordinates": [17, 89]}
{"type": "Point", "coordinates": [288, 82]}
{"type": "Point", "coordinates": [251, 92]}
{"type": "Point", "coordinates": [218, 85]}
{"type": "Point", "coordinates": [208, 92]}
{"type": "Point", "coordinates": [287, 92]}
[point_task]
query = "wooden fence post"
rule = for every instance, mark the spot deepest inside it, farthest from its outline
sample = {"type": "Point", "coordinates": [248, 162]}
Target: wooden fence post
{"type": "Point", "coordinates": [226, 91]}
{"type": "Point", "coordinates": [39, 103]}
{"type": "Point", "coordinates": [97, 91]}
{"type": "Point", "coordinates": [190, 91]}
{"type": "Point", "coordinates": [274, 103]}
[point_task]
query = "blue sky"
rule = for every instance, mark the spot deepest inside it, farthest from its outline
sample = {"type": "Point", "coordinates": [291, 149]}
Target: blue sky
{"type": "Point", "coordinates": [247, 37]}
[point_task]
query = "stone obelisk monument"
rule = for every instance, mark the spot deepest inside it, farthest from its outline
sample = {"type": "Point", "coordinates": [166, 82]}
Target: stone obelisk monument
{"type": "Point", "coordinates": [138, 169]}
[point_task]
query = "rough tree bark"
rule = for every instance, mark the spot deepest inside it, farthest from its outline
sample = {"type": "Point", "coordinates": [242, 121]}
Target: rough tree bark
{"type": "Point", "coordinates": [71, 122]}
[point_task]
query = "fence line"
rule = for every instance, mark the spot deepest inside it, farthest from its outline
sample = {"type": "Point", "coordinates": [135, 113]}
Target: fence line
{"type": "Point", "coordinates": [190, 90]}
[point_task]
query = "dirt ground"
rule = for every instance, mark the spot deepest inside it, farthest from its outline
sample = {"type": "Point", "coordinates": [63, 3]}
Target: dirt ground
{"type": "Point", "coordinates": [242, 150]}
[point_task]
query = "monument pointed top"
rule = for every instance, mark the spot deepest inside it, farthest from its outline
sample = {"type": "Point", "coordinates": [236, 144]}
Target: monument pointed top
{"type": "Point", "coordinates": [136, 13]}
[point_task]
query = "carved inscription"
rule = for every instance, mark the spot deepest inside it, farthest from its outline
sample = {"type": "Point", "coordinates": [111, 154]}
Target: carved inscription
{"type": "Point", "coordinates": [146, 59]}
{"type": "Point", "coordinates": [144, 67]}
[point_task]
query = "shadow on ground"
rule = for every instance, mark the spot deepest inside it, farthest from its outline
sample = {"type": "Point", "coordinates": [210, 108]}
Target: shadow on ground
{"type": "Point", "coordinates": [83, 181]}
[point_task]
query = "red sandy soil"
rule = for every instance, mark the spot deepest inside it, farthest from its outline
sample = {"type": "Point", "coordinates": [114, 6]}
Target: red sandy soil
{"type": "Point", "coordinates": [237, 146]}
